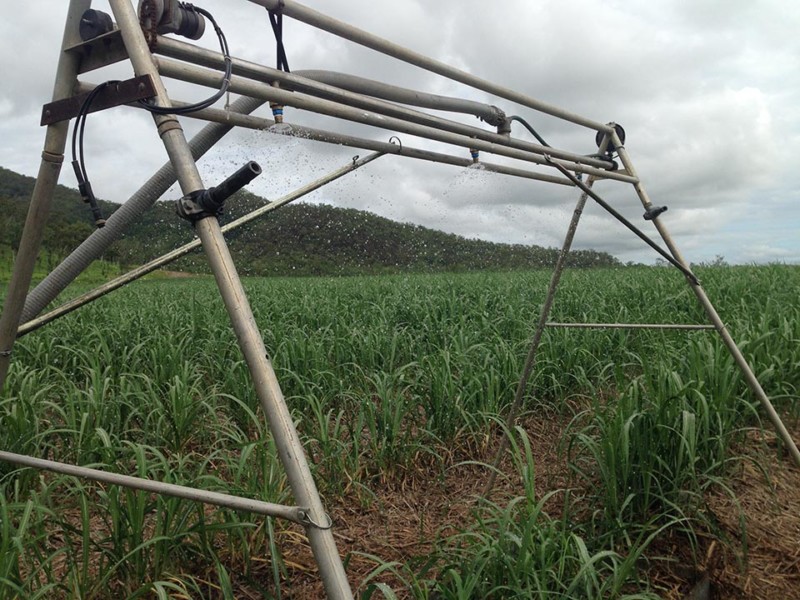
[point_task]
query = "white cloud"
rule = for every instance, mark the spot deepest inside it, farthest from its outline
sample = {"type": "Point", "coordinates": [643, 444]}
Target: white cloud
{"type": "Point", "coordinates": [707, 91]}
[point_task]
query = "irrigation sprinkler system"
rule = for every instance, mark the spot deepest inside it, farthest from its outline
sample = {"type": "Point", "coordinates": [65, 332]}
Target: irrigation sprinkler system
{"type": "Point", "coordinates": [94, 40]}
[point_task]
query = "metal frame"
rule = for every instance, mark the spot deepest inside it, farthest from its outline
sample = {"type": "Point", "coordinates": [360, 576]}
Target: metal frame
{"type": "Point", "coordinates": [258, 84]}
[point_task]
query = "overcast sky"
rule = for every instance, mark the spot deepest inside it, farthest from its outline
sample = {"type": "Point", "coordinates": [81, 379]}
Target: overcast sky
{"type": "Point", "coordinates": [708, 92]}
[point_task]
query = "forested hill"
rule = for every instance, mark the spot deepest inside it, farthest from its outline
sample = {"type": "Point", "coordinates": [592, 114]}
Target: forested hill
{"type": "Point", "coordinates": [298, 239]}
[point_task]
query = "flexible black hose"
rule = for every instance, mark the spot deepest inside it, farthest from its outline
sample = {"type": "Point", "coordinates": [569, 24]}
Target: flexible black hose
{"type": "Point", "coordinates": [529, 128]}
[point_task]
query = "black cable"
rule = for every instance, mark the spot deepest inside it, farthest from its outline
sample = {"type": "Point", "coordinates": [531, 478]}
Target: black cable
{"type": "Point", "coordinates": [276, 21]}
{"type": "Point", "coordinates": [226, 80]}
{"type": "Point", "coordinates": [78, 158]}
{"type": "Point", "coordinates": [641, 235]}
{"type": "Point", "coordinates": [543, 143]}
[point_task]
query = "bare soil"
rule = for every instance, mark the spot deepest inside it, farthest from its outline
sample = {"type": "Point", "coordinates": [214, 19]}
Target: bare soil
{"type": "Point", "coordinates": [405, 518]}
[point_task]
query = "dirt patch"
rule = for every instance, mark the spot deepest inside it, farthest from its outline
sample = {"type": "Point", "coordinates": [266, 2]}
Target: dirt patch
{"type": "Point", "coordinates": [406, 518]}
{"type": "Point", "coordinates": [753, 551]}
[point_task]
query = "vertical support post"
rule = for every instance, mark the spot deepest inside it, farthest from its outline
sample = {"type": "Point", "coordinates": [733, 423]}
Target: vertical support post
{"type": "Point", "coordinates": [42, 197]}
{"type": "Point", "coordinates": [736, 353]}
{"type": "Point", "coordinates": [279, 418]}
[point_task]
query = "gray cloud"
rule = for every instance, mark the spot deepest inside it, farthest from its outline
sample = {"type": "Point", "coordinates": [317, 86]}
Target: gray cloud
{"type": "Point", "coordinates": [707, 91]}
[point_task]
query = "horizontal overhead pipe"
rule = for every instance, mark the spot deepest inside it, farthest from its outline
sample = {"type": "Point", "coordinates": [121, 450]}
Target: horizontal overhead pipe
{"type": "Point", "coordinates": [311, 17]}
{"type": "Point", "coordinates": [361, 85]}
{"type": "Point", "coordinates": [298, 81]}
{"type": "Point", "coordinates": [290, 513]}
{"type": "Point", "coordinates": [237, 119]}
{"type": "Point", "coordinates": [239, 85]}
{"type": "Point", "coordinates": [321, 135]}
{"type": "Point", "coordinates": [182, 251]}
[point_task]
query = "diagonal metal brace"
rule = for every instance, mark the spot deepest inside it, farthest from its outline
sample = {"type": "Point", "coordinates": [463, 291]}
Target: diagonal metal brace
{"type": "Point", "coordinates": [641, 235]}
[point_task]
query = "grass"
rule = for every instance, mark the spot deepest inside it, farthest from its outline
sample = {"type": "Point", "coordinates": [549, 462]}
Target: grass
{"type": "Point", "coordinates": [98, 272]}
{"type": "Point", "coordinates": [388, 378]}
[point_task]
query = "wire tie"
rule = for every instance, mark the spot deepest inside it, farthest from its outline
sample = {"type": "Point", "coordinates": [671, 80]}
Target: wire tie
{"type": "Point", "coordinates": [305, 519]}
{"type": "Point", "coordinates": [396, 140]}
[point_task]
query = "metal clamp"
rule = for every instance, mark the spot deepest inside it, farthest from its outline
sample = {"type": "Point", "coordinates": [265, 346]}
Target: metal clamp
{"type": "Point", "coordinates": [148, 21]}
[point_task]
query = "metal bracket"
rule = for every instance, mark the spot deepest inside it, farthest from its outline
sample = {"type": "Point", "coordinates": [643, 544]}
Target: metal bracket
{"type": "Point", "coordinates": [117, 94]}
{"type": "Point", "coordinates": [101, 51]}
{"type": "Point", "coordinates": [195, 206]}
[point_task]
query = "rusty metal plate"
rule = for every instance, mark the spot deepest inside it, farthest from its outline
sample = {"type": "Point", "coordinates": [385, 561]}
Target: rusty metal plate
{"type": "Point", "coordinates": [99, 52]}
{"type": "Point", "coordinates": [123, 92]}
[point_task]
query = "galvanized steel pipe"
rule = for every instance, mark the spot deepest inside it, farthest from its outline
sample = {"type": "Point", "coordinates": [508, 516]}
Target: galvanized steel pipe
{"type": "Point", "coordinates": [42, 197]}
{"type": "Point", "coordinates": [296, 82]}
{"type": "Point", "coordinates": [321, 21]}
{"type": "Point", "coordinates": [711, 312]}
{"type": "Point", "coordinates": [269, 509]}
{"type": "Point", "coordinates": [321, 135]}
{"type": "Point", "coordinates": [118, 222]}
{"type": "Point", "coordinates": [281, 425]}
{"type": "Point", "coordinates": [174, 255]}
{"type": "Point", "coordinates": [530, 359]}
{"type": "Point", "coordinates": [194, 74]}
{"type": "Point", "coordinates": [677, 326]}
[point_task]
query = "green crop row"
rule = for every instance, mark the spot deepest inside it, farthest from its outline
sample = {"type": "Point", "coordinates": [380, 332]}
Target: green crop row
{"type": "Point", "coordinates": [385, 377]}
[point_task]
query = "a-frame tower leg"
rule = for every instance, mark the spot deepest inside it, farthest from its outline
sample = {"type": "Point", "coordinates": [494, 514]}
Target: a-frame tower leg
{"type": "Point", "coordinates": [41, 200]}
{"type": "Point", "coordinates": [711, 312]}
{"type": "Point", "coordinates": [279, 418]}
{"type": "Point", "coordinates": [281, 424]}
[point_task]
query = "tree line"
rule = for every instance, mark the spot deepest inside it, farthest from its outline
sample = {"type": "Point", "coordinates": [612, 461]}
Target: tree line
{"type": "Point", "coordinates": [298, 239]}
